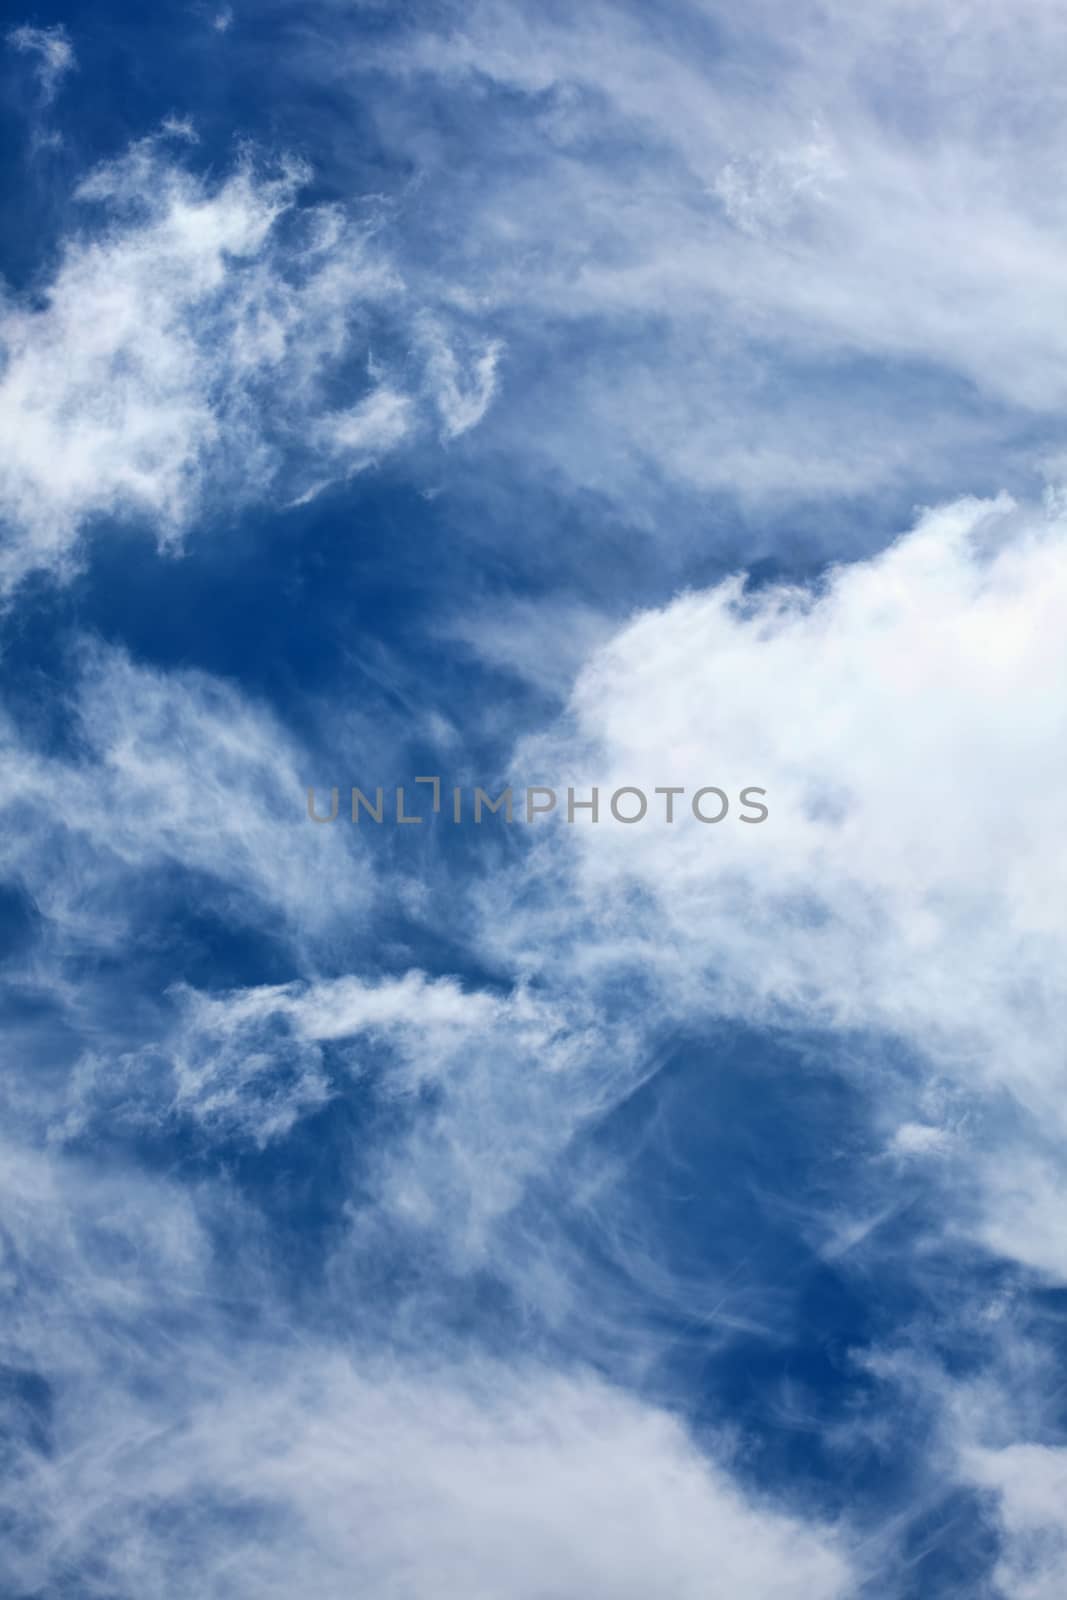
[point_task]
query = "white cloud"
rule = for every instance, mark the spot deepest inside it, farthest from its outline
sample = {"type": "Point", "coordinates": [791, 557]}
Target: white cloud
{"type": "Point", "coordinates": [173, 1458]}
{"type": "Point", "coordinates": [544, 642]}
{"type": "Point", "coordinates": [1030, 1481]}
{"type": "Point", "coordinates": [723, 218]}
{"type": "Point", "coordinates": [181, 356]}
{"type": "Point", "coordinates": [905, 719]}
{"type": "Point", "coordinates": [169, 768]}
{"type": "Point", "coordinates": [919, 1139]}
{"type": "Point", "coordinates": [190, 1436]}
{"type": "Point", "coordinates": [876, 205]}
{"type": "Point", "coordinates": [141, 375]}
{"type": "Point", "coordinates": [989, 1428]}
{"type": "Point", "coordinates": [462, 398]}
{"type": "Point", "coordinates": [180, 128]}
{"type": "Point", "coordinates": [500, 1084]}
{"type": "Point", "coordinates": [54, 52]}
{"type": "Point", "coordinates": [396, 1482]}
{"type": "Point", "coordinates": [376, 425]}
{"type": "Point", "coordinates": [762, 192]}
{"type": "Point", "coordinates": [1025, 1185]}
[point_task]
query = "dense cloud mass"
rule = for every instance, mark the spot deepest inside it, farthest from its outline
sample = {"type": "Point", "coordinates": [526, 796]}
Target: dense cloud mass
{"type": "Point", "coordinates": [545, 1200]}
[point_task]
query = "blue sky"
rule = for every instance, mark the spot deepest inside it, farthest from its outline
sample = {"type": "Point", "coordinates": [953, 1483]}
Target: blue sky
{"type": "Point", "coordinates": [606, 398]}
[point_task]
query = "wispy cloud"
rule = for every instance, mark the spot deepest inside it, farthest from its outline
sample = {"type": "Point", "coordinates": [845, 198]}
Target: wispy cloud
{"type": "Point", "coordinates": [168, 768]}
{"type": "Point", "coordinates": [589, 1209]}
{"type": "Point", "coordinates": [210, 316]}
{"type": "Point", "coordinates": [720, 218]}
{"type": "Point", "coordinates": [54, 53]}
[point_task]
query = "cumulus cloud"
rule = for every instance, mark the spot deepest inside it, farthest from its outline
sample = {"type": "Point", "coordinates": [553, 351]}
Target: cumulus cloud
{"type": "Point", "coordinates": [903, 718]}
